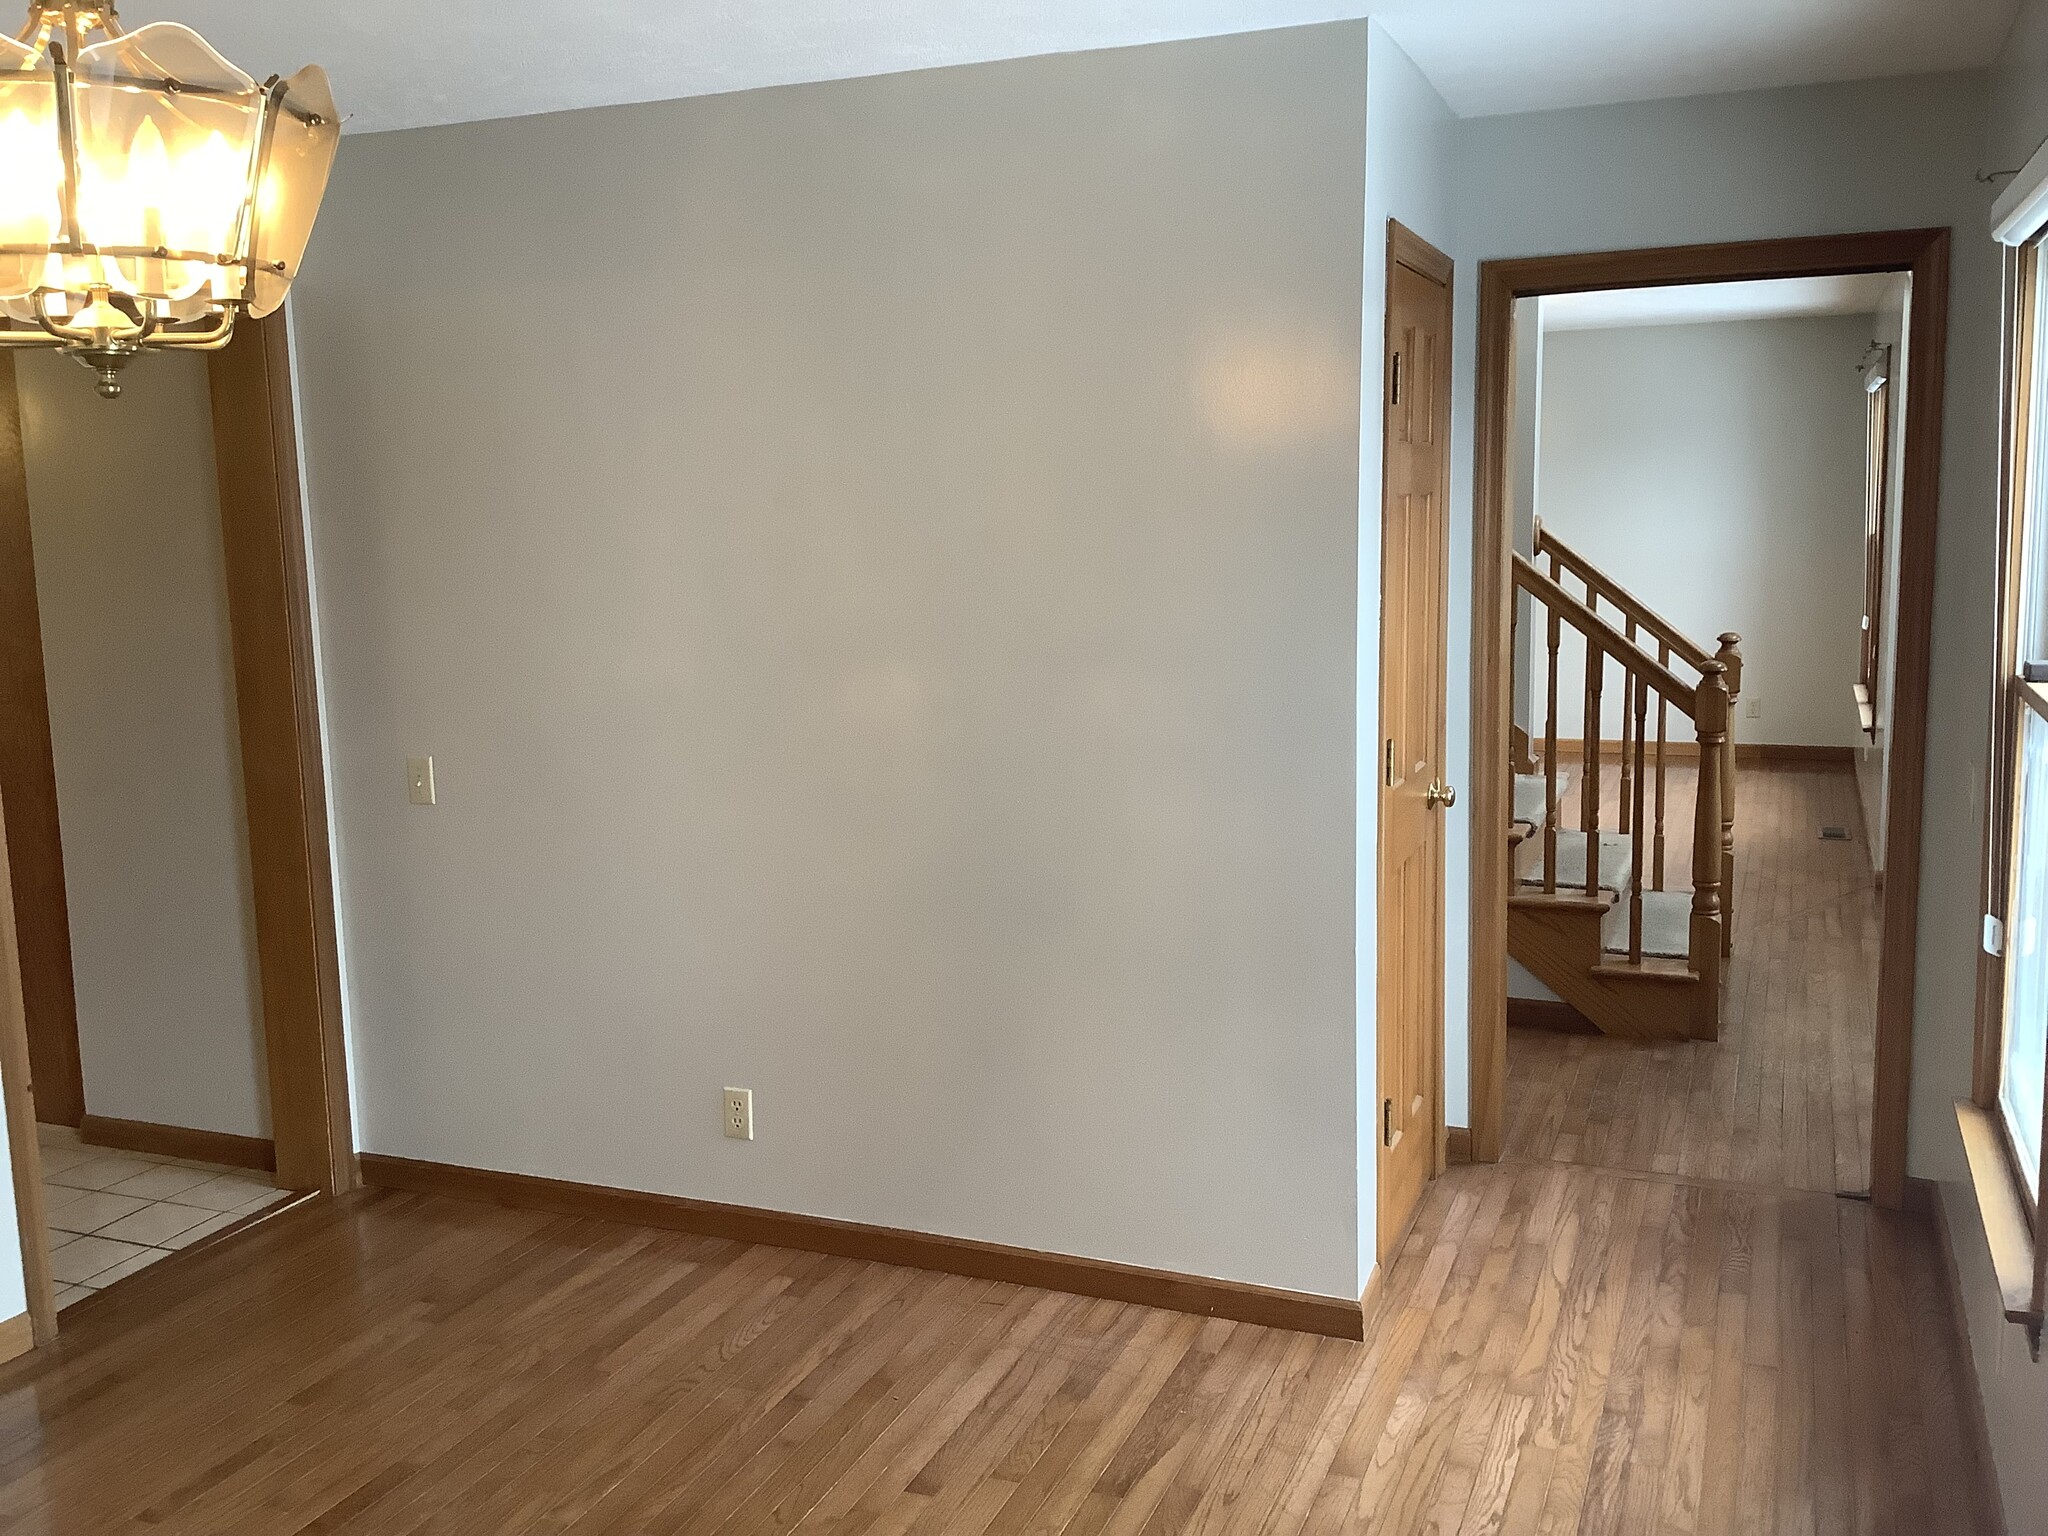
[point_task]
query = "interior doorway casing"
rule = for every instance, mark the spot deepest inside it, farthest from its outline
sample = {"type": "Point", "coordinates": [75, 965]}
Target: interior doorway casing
{"type": "Point", "coordinates": [1924, 255]}
{"type": "Point", "coordinates": [284, 771]}
{"type": "Point", "coordinates": [269, 598]}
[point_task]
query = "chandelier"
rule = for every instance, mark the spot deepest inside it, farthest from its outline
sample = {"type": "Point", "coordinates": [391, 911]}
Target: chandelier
{"type": "Point", "coordinates": [150, 192]}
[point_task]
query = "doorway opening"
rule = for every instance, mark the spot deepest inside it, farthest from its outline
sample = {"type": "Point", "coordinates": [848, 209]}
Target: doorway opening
{"type": "Point", "coordinates": [170, 1025]}
{"type": "Point", "coordinates": [1704, 514]}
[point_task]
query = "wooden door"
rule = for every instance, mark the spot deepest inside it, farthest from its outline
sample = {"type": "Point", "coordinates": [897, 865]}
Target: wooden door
{"type": "Point", "coordinates": [1413, 794]}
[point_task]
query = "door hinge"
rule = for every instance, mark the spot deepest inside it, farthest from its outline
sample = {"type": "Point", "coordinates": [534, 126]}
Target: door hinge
{"type": "Point", "coordinates": [1394, 388]}
{"type": "Point", "coordinates": [1386, 1122]}
{"type": "Point", "coordinates": [1388, 776]}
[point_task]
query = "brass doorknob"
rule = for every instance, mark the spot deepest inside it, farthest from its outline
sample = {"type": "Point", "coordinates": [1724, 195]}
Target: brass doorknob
{"type": "Point", "coordinates": [1440, 796]}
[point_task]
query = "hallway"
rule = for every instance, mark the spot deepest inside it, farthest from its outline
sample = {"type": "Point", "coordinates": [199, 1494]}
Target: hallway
{"type": "Point", "coordinates": [1782, 1099]}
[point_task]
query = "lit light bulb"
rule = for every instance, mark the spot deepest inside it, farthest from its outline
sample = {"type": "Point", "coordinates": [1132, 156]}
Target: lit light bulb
{"type": "Point", "coordinates": [100, 315]}
{"type": "Point", "coordinates": [31, 182]}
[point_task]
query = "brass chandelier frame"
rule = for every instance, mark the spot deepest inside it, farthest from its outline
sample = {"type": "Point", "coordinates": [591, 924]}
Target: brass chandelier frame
{"type": "Point", "coordinates": [58, 31]}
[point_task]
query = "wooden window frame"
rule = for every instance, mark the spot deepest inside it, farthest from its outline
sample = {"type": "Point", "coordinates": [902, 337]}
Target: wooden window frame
{"type": "Point", "coordinates": [2006, 1199]}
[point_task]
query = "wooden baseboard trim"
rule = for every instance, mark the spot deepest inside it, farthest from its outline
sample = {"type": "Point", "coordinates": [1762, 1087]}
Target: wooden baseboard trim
{"type": "Point", "coordinates": [1457, 1144]}
{"type": "Point", "coordinates": [1334, 1316]}
{"type": "Point", "coordinates": [1556, 1016]}
{"type": "Point", "coordinates": [1924, 1194]}
{"type": "Point", "coordinates": [1757, 753]}
{"type": "Point", "coordinates": [179, 1141]}
{"type": "Point", "coordinates": [1372, 1297]}
{"type": "Point", "coordinates": [17, 1337]}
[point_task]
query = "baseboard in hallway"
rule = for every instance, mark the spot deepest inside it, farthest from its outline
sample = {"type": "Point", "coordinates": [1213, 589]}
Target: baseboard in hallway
{"type": "Point", "coordinates": [1332, 1316]}
{"type": "Point", "coordinates": [258, 1152]}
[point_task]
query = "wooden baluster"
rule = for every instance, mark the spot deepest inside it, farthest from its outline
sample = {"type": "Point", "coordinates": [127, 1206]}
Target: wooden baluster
{"type": "Point", "coordinates": [1663, 730]}
{"type": "Point", "coordinates": [1730, 656]}
{"type": "Point", "coordinates": [1635, 841]}
{"type": "Point", "coordinates": [1515, 665]}
{"type": "Point", "coordinates": [1710, 719]}
{"type": "Point", "coordinates": [1628, 773]}
{"type": "Point", "coordinates": [1589, 791]}
{"type": "Point", "coordinates": [1550, 764]}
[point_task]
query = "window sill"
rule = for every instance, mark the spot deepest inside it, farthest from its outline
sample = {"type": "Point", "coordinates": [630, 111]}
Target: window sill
{"type": "Point", "coordinates": [2006, 1227]}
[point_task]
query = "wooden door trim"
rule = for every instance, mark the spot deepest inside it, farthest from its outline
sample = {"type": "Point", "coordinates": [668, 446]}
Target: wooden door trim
{"type": "Point", "coordinates": [1924, 255]}
{"type": "Point", "coordinates": [1405, 248]}
{"type": "Point", "coordinates": [17, 1104]}
{"type": "Point", "coordinates": [269, 598]}
{"type": "Point", "coordinates": [284, 774]}
{"type": "Point", "coordinates": [1408, 249]}
{"type": "Point", "coordinates": [28, 773]}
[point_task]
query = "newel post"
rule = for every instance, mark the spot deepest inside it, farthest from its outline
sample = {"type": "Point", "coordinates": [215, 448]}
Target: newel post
{"type": "Point", "coordinates": [1710, 715]}
{"type": "Point", "coordinates": [1730, 656]}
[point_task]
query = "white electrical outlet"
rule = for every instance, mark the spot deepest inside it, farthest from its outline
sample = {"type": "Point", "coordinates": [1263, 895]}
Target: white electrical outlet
{"type": "Point", "coordinates": [1753, 707]}
{"type": "Point", "coordinates": [739, 1113]}
{"type": "Point", "coordinates": [419, 780]}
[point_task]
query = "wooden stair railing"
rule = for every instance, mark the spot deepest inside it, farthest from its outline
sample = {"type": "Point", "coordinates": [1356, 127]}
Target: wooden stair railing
{"type": "Point", "coordinates": [1639, 619]}
{"type": "Point", "coordinates": [1705, 704]}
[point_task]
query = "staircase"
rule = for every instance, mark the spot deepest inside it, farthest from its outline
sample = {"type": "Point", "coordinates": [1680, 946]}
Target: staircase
{"type": "Point", "coordinates": [1591, 911]}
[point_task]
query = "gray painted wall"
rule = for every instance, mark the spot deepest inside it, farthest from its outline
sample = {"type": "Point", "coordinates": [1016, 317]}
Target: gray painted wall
{"type": "Point", "coordinates": [1716, 471]}
{"type": "Point", "coordinates": [125, 513]}
{"type": "Point", "coordinates": [876, 566]}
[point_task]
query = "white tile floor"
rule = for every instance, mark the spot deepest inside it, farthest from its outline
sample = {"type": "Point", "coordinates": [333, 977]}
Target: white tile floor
{"type": "Point", "coordinates": [112, 1213]}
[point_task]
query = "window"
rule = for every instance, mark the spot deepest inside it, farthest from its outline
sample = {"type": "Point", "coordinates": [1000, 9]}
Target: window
{"type": "Point", "coordinates": [2022, 1062]}
{"type": "Point", "coordinates": [2002, 1123]}
{"type": "Point", "coordinates": [1877, 420]}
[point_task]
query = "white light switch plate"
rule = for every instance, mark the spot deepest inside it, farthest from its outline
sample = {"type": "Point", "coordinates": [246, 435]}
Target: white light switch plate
{"type": "Point", "coordinates": [419, 780]}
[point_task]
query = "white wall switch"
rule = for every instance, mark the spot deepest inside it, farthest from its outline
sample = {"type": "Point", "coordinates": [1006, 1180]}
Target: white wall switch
{"type": "Point", "coordinates": [419, 780]}
{"type": "Point", "coordinates": [739, 1113]}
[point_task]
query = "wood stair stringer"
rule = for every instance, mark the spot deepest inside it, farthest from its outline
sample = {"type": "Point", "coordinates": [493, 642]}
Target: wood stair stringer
{"type": "Point", "coordinates": [1558, 939]}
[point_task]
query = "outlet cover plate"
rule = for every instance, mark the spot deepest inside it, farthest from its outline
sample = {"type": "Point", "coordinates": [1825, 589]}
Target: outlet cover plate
{"type": "Point", "coordinates": [738, 1114]}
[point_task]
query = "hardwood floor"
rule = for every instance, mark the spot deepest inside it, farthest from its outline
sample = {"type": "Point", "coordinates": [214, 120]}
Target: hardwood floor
{"type": "Point", "coordinates": [1556, 1349]}
{"type": "Point", "coordinates": [1783, 1098]}
{"type": "Point", "coordinates": [1683, 1341]}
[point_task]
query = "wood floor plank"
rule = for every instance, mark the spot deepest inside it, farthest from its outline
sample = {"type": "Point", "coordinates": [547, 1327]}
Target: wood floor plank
{"type": "Point", "coordinates": [1560, 1349]}
{"type": "Point", "coordinates": [1782, 1099]}
{"type": "Point", "coordinates": [1655, 1317]}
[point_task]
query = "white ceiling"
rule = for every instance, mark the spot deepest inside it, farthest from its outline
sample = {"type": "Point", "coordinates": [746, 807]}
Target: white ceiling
{"type": "Point", "coordinates": [402, 63]}
{"type": "Point", "coordinates": [1694, 303]}
{"type": "Point", "coordinates": [1494, 56]}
